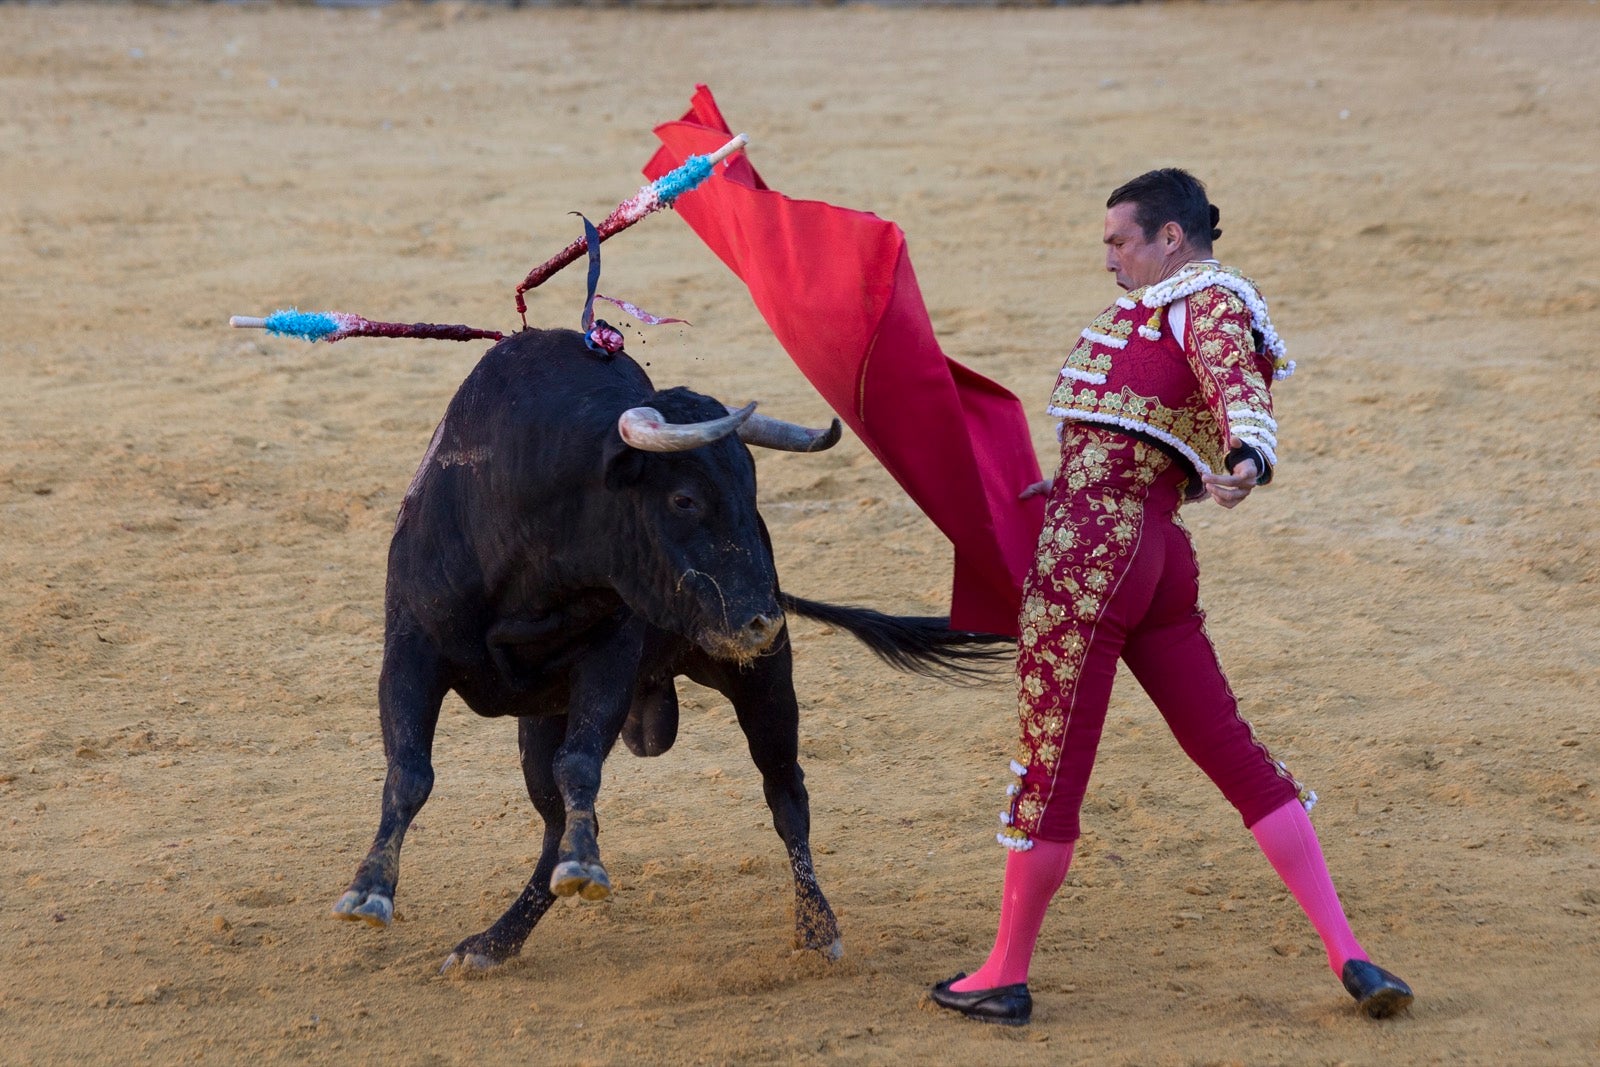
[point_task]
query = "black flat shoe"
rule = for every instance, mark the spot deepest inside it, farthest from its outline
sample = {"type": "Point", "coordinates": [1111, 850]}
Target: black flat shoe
{"type": "Point", "coordinates": [1377, 992]}
{"type": "Point", "coordinates": [1008, 1005]}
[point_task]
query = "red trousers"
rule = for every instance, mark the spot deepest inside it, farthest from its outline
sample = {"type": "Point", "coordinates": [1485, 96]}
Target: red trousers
{"type": "Point", "coordinates": [1115, 577]}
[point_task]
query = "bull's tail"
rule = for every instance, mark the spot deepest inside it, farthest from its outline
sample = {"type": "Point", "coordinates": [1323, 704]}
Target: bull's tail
{"type": "Point", "coordinates": [915, 644]}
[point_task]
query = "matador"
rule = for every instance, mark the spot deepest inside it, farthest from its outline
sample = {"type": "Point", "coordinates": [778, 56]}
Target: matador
{"type": "Point", "coordinates": [1164, 398]}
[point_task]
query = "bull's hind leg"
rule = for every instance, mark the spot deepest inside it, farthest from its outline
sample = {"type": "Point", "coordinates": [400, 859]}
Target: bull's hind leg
{"type": "Point", "coordinates": [410, 690]}
{"type": "Point", "coordinates": [537, 740]}
{"type": "Point", "coordinates": [763, 698]}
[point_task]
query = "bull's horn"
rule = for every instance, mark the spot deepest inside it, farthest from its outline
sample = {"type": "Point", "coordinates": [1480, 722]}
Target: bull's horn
{"type": "Point", "coordinates": [788, 436]}
{"type": "Point", "coordinates": [646, 429]}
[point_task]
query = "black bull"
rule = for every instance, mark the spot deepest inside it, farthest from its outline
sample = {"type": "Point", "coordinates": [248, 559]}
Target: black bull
{"type": "Point", "coordinates": [574, 541]}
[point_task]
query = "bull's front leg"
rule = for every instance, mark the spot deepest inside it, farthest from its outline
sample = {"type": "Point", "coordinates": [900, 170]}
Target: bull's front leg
{"type": "Point", "coordinates": [763, 698]}
{"type": "Point", "coordinates": [601, 693]}
{"type": "Point", "coordinates": [410, 690]}
{"type": "Point", "coordinates": [537, 740]}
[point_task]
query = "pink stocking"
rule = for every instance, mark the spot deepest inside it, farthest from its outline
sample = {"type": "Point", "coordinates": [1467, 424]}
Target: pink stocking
{"type": "Point", "coordinates": [1291, 846]}
{"type": "Point", "coordinates": [1032, 878]}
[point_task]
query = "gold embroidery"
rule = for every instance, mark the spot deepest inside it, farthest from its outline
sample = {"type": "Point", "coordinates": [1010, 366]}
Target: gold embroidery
{"type": "Point", "coordinates": [1089, 533]}
{"type": "Point", "coordinates": [1193, 426]}
{"type": "Point", "coordinates": [1110, 323]}
{"type": "Point", "coordinates": [1219, 321]}
{"type": "Point", "coordinates": [1089, 358]}
{"type": "Point", "coordinates": [1222, 355]}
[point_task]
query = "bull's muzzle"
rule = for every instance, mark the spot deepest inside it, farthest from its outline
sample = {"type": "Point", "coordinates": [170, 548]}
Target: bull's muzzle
{"type": "Point", "coordinates": [761, 631]}
{"type": "Point", "coordinates": [747, 642]}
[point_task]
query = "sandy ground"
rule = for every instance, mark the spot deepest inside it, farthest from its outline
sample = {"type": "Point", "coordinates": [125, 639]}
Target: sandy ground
{"type": "Point", "coordinates": [195, 522]}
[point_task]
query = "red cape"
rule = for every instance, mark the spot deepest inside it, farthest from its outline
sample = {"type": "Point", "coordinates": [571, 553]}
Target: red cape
{"type": "Point", "coordinates": [837, 289]}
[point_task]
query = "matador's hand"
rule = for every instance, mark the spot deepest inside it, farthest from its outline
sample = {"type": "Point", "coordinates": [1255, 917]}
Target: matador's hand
{"type": "Point", "coordinates": [1229, 489]}
{"type": "Point", "coordinates": [1037, 489]}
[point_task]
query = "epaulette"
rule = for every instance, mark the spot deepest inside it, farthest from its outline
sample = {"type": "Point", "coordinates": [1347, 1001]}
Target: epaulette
{"type": "Point", "coordinates": [1197, 276]}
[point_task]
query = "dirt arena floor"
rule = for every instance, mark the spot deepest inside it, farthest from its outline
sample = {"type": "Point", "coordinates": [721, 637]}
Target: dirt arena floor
{"type": "Point", "coordinates": [195, 522]}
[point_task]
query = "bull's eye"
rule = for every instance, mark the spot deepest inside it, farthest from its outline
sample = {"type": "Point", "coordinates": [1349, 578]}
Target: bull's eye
{"type": "Point", "coordinates": [685, 504]}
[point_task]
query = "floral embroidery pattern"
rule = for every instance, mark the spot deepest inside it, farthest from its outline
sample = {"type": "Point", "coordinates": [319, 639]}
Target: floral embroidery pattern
{"type": "Point", "coordinates": [1231, 378]}
{"type": "Point", "coordinates": [1091, 526]}
{"type": "Point", "coordinates": [1086, 364]}
{"type": "Point", "coordinates": [1187, 429]}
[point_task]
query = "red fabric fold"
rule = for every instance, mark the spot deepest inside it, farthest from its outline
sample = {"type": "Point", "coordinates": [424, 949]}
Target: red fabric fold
{"type": "Point", "coordinates": [837, 289]}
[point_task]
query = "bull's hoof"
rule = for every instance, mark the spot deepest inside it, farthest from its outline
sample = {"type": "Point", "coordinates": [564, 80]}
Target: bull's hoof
{"type": "Point", "coordinates": [479, 954]}
{"type": "Point", "coordinates": [469, 963]}
{"type": "Point", "coordinates": [374, 909]}
{"type": "Point", "coordinates": [833, 951]}
{"type": "Point", "coordinates": [815, 928]}
{"type": "Point", "coordinates": [576, 878]}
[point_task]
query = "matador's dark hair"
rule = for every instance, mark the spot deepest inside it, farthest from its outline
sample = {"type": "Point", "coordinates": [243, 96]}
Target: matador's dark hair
{"type": "Point", "coordinates": [1171, 195]}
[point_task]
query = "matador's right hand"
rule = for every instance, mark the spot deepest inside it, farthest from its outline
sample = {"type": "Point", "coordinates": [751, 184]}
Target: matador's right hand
{"type": "Point", "coordinates": [1037, 489]}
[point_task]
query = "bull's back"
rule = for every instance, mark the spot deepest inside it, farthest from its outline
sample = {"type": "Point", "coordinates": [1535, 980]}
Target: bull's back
{"type": "Point", "coordinates": [497, 497]}
{"type": "Point", "coordinates": [528, 421]}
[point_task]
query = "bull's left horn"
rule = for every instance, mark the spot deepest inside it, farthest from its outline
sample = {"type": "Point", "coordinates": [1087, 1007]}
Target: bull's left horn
{"type": "Point", "coordinates": [646, 429]}
{"type": "Point", "coordinates": [788, 436]}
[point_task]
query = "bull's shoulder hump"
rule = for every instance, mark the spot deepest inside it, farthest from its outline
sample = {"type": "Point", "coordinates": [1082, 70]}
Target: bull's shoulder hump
{"type": "Point", "coordinates": [556, 366]}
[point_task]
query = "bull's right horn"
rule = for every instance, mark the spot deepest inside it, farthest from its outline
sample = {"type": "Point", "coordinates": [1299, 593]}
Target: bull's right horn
{"type": "Point", "coordinates": [768, 432]}
{"type": "Point", "coordinates": [646, 429]}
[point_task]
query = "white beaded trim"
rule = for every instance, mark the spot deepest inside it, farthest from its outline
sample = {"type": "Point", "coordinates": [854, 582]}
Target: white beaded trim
{"type": "Point", "coordinates": [1188, 453]}
{"type": "Point", "coordinates": [1186, 283]}
{"type": "Point", "coordinates": [1252, 415]}
{"type": "Point", "coordinates": [1104, 339]}
{"type": "Point", "coordinates": [1255, 428]}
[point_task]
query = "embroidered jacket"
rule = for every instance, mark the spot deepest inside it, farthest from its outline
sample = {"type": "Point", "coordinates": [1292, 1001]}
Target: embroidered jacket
{"type": "Point", "coordinates": [1186, 362]}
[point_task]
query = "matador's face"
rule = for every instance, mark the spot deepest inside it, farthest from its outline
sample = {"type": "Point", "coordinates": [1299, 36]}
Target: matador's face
{"type": "Point", "coordinates": [1134, 259]}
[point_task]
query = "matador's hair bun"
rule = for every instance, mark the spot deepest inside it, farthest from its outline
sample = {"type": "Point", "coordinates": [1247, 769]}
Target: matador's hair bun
{"type": "Point", "coordinates": [1216, 217]}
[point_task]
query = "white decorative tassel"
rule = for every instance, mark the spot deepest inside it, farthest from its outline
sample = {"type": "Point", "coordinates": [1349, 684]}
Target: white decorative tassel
{"type": "Point", "coordinates": [1019, 843]}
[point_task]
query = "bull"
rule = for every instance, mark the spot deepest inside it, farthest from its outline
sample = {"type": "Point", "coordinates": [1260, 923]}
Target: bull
{"type": "Point", "coordinates": [573, 541]}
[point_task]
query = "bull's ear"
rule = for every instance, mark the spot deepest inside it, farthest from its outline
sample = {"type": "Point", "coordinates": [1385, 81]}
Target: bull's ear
{"type": "Point", "coordinates": [623, 465]}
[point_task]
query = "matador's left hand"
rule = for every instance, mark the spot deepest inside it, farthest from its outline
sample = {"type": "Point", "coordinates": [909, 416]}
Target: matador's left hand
{"type": "Point", "coordinates": [1231, 488]}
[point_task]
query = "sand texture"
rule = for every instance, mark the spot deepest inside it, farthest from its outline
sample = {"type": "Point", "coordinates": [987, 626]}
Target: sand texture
{"type": "Point", "coordinates": [194, 521]}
